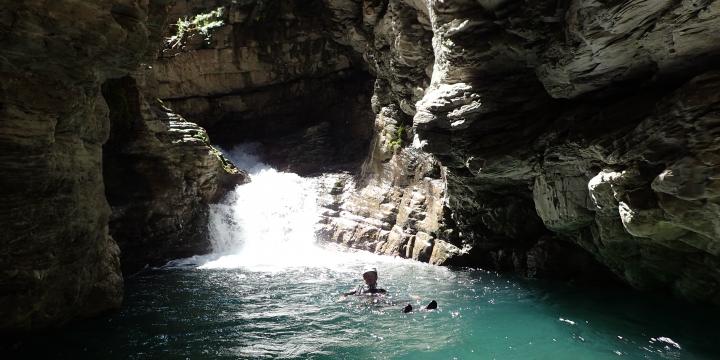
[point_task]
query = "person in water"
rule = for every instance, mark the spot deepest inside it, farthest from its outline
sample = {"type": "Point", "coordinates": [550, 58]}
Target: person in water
{"type": "Point", "coordinates": [370, 277]}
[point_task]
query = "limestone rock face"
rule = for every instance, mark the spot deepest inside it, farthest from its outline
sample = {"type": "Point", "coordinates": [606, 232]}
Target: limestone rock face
{"type": "Point", "coordinates": [254, 44]}
{"type": "Point", "coordinates": [160, 176]}
{"type": "Point", "coordinates": [556, 133]}
{"type": "Point", "coordinates": [266, 71]}
{"type": "Point", "coordinates": [396, 206]}
{"type": "Point", "coordinates": [562, 125]}
{"type": "Point", "coordinates": [623, 168]}
{"type": "Point", "coordinates": [69, 73]}
{"type": "Point", "coordinates": [606, 43]}
{"type": "Point", "coordinates": [529, 136]}
{"type": "Point", "coordinates": [58, 260]}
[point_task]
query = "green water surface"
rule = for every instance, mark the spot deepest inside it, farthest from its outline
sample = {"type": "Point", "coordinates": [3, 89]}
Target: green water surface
{"type": "Point", "coordinates": [297, 313]}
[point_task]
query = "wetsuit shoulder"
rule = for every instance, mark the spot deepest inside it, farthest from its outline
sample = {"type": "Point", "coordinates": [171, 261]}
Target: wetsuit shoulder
{"type": "Point", "coordinates": [357, 291]}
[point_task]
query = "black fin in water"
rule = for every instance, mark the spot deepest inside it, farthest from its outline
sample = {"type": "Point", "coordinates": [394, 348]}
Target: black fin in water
{"type": "Point", "coordinates": [432, 305]}
{"type": "Point", "coordinates": [407, 309]}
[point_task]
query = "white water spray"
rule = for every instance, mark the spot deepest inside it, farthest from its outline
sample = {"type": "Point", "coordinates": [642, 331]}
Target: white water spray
{"type": "Point", "coordinates": [269, 221]}
{"type": "Point", "coordinates": [269, 224]}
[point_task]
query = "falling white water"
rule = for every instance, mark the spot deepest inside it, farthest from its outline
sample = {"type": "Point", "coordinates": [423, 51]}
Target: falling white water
{"type": "Point", "coordinates": [269, 221]}
{"type": "Point", "coordinates": [269, 224]}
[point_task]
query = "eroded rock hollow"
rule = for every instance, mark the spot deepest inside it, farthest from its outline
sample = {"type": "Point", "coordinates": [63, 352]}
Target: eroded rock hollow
{"type": "Point", "coordinates": [90, 160]}
{"type": "Point", "coordinates": [552, 138]}
{"type": "Point", "coordinates": [542, 137]}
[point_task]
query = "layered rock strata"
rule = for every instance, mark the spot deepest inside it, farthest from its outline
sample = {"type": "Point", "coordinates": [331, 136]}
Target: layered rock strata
{"type": "Point", "coordinates": [575, 122]}
{"type": "Point", "coordinates": [266, 72]}
{"type": "Point", "coordinates": [563, 128]}
{"type": "Point", "coordinates": [160, 176]}
{"type": "Point", "coordinates": [58, 260]}
{"type": "Point", "coordinates": [395, 206]}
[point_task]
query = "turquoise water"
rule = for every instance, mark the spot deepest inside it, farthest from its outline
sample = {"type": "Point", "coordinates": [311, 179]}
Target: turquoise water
{"type": "Point", "coordinates": [271, 292]}
{"type": "Point", "coordinates": [297, 313]}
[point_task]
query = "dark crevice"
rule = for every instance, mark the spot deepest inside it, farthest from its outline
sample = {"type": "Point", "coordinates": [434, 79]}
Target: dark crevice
{"type": "Point", "coordinates": [306, 125]}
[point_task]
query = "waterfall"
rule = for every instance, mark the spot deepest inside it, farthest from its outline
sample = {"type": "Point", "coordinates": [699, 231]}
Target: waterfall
{"type": "Point", "coordinates": [269, 224]}
{"type": "Point", "coordinates": [270, 221]}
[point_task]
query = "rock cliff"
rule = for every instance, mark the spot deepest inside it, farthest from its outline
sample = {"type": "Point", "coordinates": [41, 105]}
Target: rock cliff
{"type": "Point", "coordinates": [539, 137]}
{"type": "Point", "coordinates": [160, 174]}
{"type": "Point", "coordinates": [265, 71]}
{"type": "Point", "coordinates": [269, 72]}
{"type": "Point", "coordinates": [59, 260]}
{"type": "Point", "coordinates": [589, 123]}
{"type": "Point", "coordinates": [565, 131]}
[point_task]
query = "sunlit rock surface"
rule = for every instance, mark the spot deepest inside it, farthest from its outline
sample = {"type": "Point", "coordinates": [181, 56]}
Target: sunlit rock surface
{"type": "Point", "coordinates": [565, 132]}
{"type": "Point", "coordinates": [394, 208]}
{"type": "Point", "coordinates": [583, 123]}
{"type": "Point", "coordinates": [160, 176]}
{"type": "Point", "coordinates": [59, 260]}
{"type": "Point", "coordinates": [266, 71]}
{"type": "Point", "coordinates": [529, 136]}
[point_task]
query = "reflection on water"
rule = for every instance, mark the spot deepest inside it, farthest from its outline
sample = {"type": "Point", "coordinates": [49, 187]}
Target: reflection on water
{"type": "Point", "coordinates": [270, 292]}
{"type": "Point", "coordinates": [298, 313]}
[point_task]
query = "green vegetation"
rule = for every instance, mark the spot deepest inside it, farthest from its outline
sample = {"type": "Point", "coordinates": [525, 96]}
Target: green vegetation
{"type": "Point", "coordinates": [202, 136]}
{"type": "Point", "coordinates": [227, 165]}
{"type": "Point", "coordinates": [338, 187]}
{"type": "Point", "coordinates": [397, 141]}
{"type": "Point", "coordinates": [201, 23]}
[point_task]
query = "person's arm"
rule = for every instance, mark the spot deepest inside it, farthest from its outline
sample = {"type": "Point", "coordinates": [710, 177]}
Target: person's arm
{"type": "Point", "coordinates": [353, 292]}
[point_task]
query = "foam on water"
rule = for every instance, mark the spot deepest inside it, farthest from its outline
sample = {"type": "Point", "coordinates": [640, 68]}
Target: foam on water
{"type": "Point", "coordinates": [297, 313]}
{"type": "Point", "coordinates": [269, 224]}
{"type": "Point", "coordinates": [269, 291]}
{"type": "Point", "coordinates": [269, 221]}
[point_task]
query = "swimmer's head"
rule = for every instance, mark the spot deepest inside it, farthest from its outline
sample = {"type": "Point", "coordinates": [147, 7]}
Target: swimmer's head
{"type": "Point", "coordinates": [370, 276]}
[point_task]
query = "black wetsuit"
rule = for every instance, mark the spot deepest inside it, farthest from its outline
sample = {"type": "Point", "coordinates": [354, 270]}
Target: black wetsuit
{"type": "Point", "coordinates": [366, 290]}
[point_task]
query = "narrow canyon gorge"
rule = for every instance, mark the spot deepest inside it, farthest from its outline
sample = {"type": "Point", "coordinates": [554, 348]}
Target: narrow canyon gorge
{"type": "Point", "coordinates": [564, 139]}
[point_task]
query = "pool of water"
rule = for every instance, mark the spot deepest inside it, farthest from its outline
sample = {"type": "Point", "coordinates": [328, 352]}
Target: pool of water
{"type": "Point", "coordinates": [271, 292]}
{"type": "Point", "coordinates": [297, 312]}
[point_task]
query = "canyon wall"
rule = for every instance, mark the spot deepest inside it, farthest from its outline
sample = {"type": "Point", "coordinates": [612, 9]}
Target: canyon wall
{"type": "Point", "coordinates": [281, 73]}
{"type": "Point", "coordinates": [265, 71]}
{"type": "Point", "coordinates": [565, 131]}
{"type": "Point", "coordinates": [586, 123]}
{"type": "Point", "coordinates": [160, 175]}
{"type": "Point", "coordinates": [540, 137]}
{"type": "Point", "coordinates": [59, 103]}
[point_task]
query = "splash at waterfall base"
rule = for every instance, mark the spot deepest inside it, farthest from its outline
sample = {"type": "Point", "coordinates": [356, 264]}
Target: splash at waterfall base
{"type": "Point", "coordinates": [270, 222]}
{"type": "Point", "coordinates": [294, 312]}
{"type": "Point", "coordinates": [269, 291]}
{"type": "Point", "coordinates": [279, 290]}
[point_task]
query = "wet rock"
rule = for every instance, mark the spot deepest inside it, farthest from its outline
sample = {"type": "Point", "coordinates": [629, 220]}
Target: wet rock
{"type": "Point", "coordinates": [562, 202]}
{"type": "Point", "coordinates": [267, 72]}
{"type": "Point", "coordinates": [396, 206]}
{"type": "Point", "coordinates": [586, 124]}
{"type": "Point", "coordinates": [538, 137]}
{"type": "Point", "coordinates": [443, 252]}
{"type": "Point", "coordinates": [632, 40]}
{"type": "Point", "coordinates": [160, 174]}
{"type": "Point", "coordinates": [78, 131]}
{"type": "Point", "coordinates": [58, 261]}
